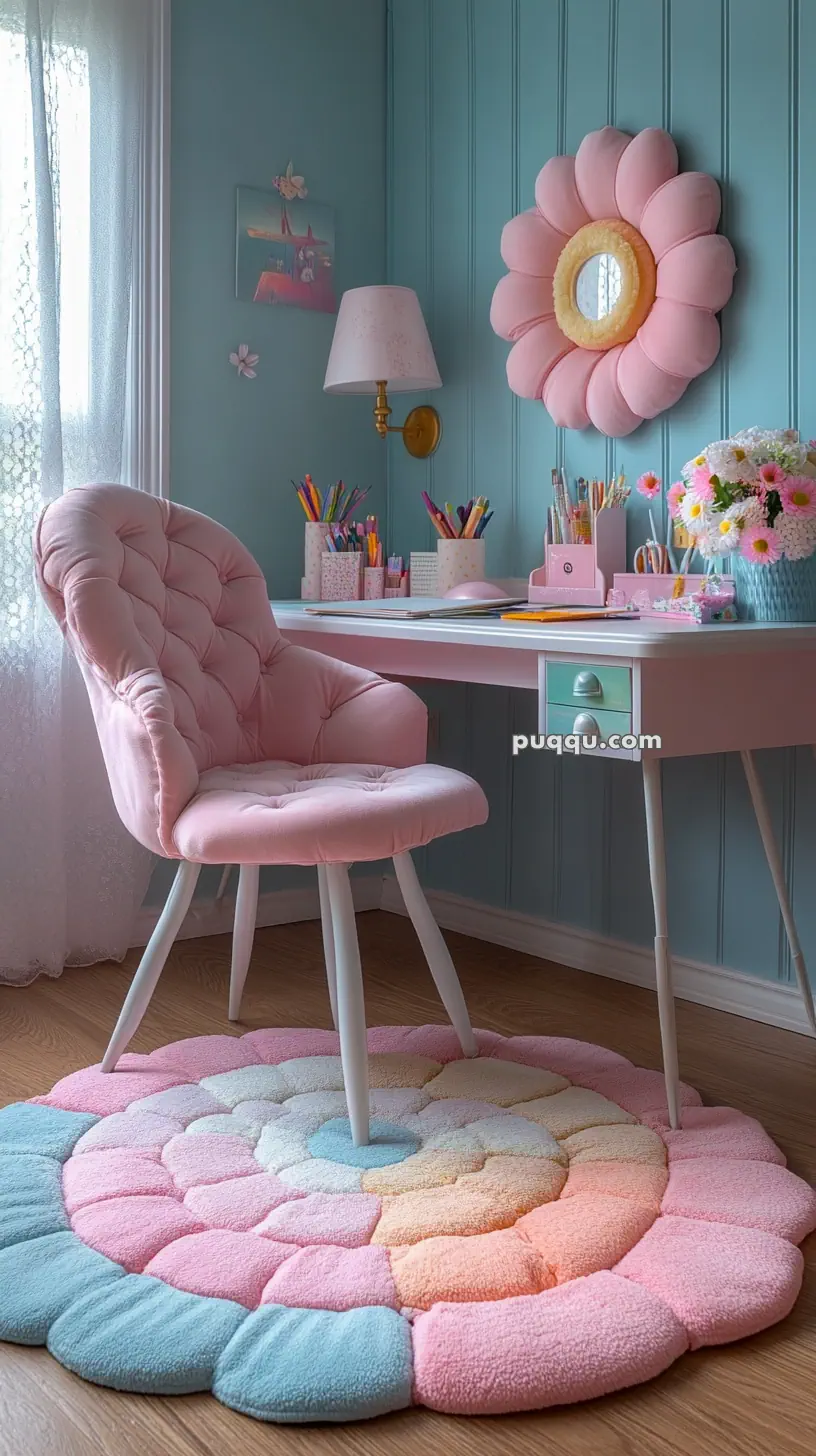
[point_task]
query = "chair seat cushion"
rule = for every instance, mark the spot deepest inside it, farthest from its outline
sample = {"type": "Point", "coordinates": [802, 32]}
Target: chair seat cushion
{"type": "Point", "coordinates": [323, 813]}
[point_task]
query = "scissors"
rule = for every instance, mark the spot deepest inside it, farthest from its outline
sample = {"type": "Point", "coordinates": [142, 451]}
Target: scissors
{"type": "Point", "coordinates": [651, 557]}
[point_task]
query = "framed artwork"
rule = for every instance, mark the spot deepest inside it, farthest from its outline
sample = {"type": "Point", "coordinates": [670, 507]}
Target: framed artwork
{"type": "Point", "coordinates": [284, 251]}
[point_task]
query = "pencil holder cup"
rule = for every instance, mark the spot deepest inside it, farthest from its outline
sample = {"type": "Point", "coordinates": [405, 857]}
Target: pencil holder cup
{"type": "Point", "coordinates": [313, 549]}
{"type": "Point", "coordinates": [459, 561]}
{"type": "Point", "coordinates": [341, 576]}
{"type": "Point", "coordinates": [373, 583]}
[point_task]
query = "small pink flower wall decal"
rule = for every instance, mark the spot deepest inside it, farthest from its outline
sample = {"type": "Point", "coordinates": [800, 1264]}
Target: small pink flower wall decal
{"type": "Point", "coordinates": [244, 361]}
{"type": "Point", "coordinates": [632, 353]}
{"type": "Point", "coordinates": [649, 484]}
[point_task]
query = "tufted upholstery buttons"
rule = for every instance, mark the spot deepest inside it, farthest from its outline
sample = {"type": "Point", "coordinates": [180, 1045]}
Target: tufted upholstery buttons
{"type": "Point", "coordinates": [137, 585]}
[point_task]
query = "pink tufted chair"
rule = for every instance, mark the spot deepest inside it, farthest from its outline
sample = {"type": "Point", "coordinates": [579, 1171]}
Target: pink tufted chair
{"type": "Point", "coordinates": [226, 744]}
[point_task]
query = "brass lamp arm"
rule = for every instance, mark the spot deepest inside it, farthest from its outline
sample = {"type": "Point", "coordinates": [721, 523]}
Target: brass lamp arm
{"type": "Point", "coordinates": [421, 432]}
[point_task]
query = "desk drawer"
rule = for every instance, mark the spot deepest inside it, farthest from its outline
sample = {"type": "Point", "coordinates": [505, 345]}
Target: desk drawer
{"type": "Point", "coordinates": [562, 719]}
{"type": "Point", "coordinates": [590, 685]}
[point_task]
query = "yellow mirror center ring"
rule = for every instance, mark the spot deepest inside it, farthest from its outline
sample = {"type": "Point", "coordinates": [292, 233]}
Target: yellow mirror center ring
{"type": "Point", "coordinates": [638, 283]}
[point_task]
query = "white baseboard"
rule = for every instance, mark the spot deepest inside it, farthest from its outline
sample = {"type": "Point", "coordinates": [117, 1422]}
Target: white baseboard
{"type": "Point", "coordinates": [715, 986]}
{"type": "Point", "coordinates": [725, 990]}
{"type": "Point", "coordinates": [275, 907]}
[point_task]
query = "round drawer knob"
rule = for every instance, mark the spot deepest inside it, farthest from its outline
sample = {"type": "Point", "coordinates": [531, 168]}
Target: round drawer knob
{"type": "Point", "coordinates": [586, 685]}
{"type": "Point", "coordinates": [585, 724]}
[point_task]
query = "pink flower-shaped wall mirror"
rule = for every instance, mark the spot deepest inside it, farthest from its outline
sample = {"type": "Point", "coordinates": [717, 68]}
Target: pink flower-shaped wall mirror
{"type": "Point", "coordinates": [615, 279]}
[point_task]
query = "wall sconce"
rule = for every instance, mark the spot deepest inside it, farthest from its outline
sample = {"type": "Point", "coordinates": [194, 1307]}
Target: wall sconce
{"type": "Point", "coordinates": [381, 343]}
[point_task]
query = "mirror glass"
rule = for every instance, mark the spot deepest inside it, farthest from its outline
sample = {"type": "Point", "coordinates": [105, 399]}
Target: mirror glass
{"type": "Point", "coordinates": [598, 286]}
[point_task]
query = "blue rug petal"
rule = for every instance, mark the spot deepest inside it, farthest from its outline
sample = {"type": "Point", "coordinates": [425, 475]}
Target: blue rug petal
{"type": "Point", "coordinates": [140, 1334]}
{"type": "Point", "coordinates": [30, 1197]}
{"type": "Point", "coordinates": [32, 1127]}
{"type": "Point", "coordinates": [317, 1365]}
{"type": "Point", "coordinates": [40, 1278]}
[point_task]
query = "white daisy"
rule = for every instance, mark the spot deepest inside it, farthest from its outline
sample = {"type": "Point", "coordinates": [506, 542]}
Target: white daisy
{"type": "Point", "coordinates": [725, 533]}
{"type": "Point", "coordinates": [797, 536]}
{"type": "Point", "coordinates": [695, 513]}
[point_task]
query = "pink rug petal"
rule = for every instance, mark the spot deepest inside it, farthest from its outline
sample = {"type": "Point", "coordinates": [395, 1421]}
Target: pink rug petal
{"type": "Point", "coordinates": [221, 1264]}
{"type": "Point", "coordinates": [132, 1230]}
{"type": "Point", "coordinates": [346, 1219]}
{"type": "Point", "coordinates": [576, 1060]}
{"type": "Point", "coordinates": [639, 1090]}
{"type": "Point", "coordinates": [333, 1278]}
{"type": "Point", "coordinates": [184, 1103]}
{"type": "Point", "coordinates": [207, 1158]}
{"type": "Point", "coordinates": [145, 1130]}
{"type": "Point", "coordinates": [272, 1047]}
{"type": "Point", "coordinates": [111, 1173]}
{"type": "Point", "coordinates": [722, 1132]}
{"type": "Point", "coordinates": [751, 1195]}
{"type": "Point", "coordinates": [573, 1343]}
{"type": "Point", "coordinates": [93, 1090]}
{"type": "Point", "coordinates": [204, 1056]}
{"type": "Point", "coordinates": [723, 1283]}
{"type": "Point", "coordinates": [238, 1203]}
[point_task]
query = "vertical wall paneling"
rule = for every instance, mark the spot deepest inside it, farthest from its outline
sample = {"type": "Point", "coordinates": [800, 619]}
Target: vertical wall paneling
{"type": "Point", "coordinates": [481, 93]}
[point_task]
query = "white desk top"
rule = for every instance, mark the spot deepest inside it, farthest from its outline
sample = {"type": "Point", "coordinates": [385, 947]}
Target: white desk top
{"type": "Point", "coordinates": [618, 638]}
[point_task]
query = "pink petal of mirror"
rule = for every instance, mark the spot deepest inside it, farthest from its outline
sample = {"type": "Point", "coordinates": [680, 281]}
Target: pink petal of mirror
{"type": "Point", "coordinates": [615, 278]}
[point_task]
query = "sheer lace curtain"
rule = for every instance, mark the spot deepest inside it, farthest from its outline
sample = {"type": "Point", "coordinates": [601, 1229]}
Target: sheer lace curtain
{"type": "Point", "coordinates": [73, 82]}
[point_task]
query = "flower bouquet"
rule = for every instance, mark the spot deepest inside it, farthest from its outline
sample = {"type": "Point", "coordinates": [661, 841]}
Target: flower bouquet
{"type": "Point", "coordinates": [753, 498]}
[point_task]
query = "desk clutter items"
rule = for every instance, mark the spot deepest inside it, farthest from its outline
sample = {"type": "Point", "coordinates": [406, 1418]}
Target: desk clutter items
{"type": "Point", "coordinates": [512, 1209]}
{"type": "Point", "coordinates": [584, 545]}
{"type": "Point", "coordinates": [344, 559]}
{"type": "Point", "coordinates": [712, 601]}
{"type": "Point", "coordinates": [460, 550]}
{"type": "Point", "coordinates": [753, 497]}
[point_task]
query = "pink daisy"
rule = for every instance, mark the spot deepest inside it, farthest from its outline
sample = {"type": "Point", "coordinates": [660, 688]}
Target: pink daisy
{"type": "Point", "coordinates": [701, 480]}
{"type": "Point", "coordinates": [798, 496]}
{"type": "Point", "coordinates": [760, 545]}
{"type": "Point", "coordinates": [649, 484]}
{"type": "Point", "coordinates": [674, 496]}
{"type": "Point", "coordinates": [770, 475]}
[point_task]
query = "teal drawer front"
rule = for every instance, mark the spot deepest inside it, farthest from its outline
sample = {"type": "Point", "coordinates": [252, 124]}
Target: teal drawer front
{"type": "Point", "coordinates": [590, 685]}
{"type": "Point", "coordinates": [561, 719]}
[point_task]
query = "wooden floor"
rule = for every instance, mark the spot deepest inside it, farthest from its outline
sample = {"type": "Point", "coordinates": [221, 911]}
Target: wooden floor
{"type": "Point", "coordinates": [750, 1399]}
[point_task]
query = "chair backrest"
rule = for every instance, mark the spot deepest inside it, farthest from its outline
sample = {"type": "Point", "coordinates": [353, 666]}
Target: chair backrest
{"type": "Point", "coordinates": [169, 618]}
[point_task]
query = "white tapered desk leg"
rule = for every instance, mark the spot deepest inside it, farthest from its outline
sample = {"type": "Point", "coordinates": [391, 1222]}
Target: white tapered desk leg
{"type": "Point", "coordinates": [653, 795]}
{"type": "Point", "coordinates": [152, 963]}
{"type": "Point", "coordinates": [436, 952]}
{"type": "Point", "coordinates": [328, 940]}
{"type": "Point", "coordinates": [763, 818]}
{"type": "Point", "coordinates": [350, 1002]}
{"type": "Point", "coordinates": [243, 934]}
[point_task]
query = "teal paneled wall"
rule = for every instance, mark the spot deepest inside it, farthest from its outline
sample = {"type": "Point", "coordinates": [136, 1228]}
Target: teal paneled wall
{"type": "Point", "coordinates": [480, 94]}
{"type": "Point", "coordinates": [255, 82]}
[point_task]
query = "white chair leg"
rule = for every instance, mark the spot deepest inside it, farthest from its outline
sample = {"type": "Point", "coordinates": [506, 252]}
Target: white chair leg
{"type": "Point", "coordinates": [350, 1002]}
{"type": "Point", "coordinates": [243, 934]}
{"type": "Point", "coordinates": [436, 952]}
{"type": "Point", "coordinates": [663, 967]}
{"type": "Point", "coordinates": [152, 962]}
{"type": "Point", "coordinates": [766, 829]}
{"type": "Point", "coordinates": [222, 883]}
{"type": "Point", "coordinates": [328, 940]}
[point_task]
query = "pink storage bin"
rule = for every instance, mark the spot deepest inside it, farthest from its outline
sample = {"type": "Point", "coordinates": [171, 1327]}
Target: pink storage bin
{"type": "Point", "coordinates": [660, 584]}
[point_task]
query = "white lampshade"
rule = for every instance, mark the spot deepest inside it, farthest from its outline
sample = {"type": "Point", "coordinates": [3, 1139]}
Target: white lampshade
{"type": "Point", "coordinates": [380, 334]}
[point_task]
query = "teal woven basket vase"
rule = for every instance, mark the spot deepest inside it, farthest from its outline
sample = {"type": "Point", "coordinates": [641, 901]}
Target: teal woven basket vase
{"type": "Point", "coordinates": [784, 592]}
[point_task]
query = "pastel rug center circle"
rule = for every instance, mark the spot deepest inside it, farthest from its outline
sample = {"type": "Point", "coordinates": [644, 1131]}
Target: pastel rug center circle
{"type": "Point", "coordinates": [387, 1144]}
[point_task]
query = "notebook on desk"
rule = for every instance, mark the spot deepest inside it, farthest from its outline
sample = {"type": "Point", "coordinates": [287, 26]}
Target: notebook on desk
{"type": "Point", "coordinates": [413, 608]}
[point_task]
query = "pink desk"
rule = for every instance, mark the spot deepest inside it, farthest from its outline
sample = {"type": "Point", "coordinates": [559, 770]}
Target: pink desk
{"type": "Point", "coordinates": [695, 690]}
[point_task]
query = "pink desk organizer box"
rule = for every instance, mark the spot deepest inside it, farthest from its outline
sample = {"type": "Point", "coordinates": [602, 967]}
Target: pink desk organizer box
{"type": "Point", "coordinates": [660, 584]}
{"type": "Point", "coordinates": [341, 576]}
{"type": "Point", "coordinates": [581, 576]}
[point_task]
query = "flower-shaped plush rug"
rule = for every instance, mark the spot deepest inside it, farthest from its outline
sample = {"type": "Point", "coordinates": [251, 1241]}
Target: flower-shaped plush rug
{"type": "Point", "coordinates": [522, 1230]}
